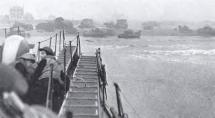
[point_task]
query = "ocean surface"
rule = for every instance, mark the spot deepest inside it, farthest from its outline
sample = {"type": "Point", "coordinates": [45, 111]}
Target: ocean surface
{"type": "Point", "coordinates": [160, 77]}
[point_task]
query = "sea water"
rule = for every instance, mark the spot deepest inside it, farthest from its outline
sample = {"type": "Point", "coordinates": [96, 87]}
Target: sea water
{"type": "Point", "coordinates": [159, 77]}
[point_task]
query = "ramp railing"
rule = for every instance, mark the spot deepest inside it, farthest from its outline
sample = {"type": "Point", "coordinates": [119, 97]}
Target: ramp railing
{"type": "Point", "coordinates": [102, 77]}
{"type": "Point", "coordinates": [121, 113]}
{"type": "Point", "coordinates": [13, 30]}
{"type": "Point", "coordinates": [102, 91]}
{"type": "Point", "coordinates": [54, 39]}
{"type": "Point", "coordinates": [72, 48]}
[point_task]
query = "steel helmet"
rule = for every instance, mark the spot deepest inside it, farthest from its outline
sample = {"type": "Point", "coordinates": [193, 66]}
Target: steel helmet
{"type": "Point", "coordinates": [28, 56]}
{"type": "Point", "coordinates": [48, 50]}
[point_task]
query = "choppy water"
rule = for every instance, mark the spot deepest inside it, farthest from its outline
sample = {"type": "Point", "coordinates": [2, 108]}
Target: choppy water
{"type": "Point", "coordinates": [161, 77]}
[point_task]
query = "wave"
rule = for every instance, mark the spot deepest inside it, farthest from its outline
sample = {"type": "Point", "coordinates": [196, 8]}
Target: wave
{"type": "Point", "coordinates": [110, 47]}
{"type": "Point", "coordinates": [178, 46]}
{"type": "Point", "coordinates": [186, 56]}
{"type": "Point", "coordinates": [188, 52]}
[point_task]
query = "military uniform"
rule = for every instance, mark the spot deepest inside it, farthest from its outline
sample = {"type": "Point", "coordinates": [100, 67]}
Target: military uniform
{"type": "Point", "coordinates": [40, 87]}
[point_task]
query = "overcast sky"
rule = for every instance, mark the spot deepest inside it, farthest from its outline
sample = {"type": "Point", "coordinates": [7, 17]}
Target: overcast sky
{"type": "Point", "coordinates": [186, 10]}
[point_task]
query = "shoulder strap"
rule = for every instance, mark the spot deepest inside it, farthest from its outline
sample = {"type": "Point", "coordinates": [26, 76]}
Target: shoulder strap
{"type": "Point", "coordinates": [39, 69]}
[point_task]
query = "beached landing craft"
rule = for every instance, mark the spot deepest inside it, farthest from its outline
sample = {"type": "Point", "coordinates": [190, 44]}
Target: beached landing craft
{"type": "Point", "coordinates": [85, 88]}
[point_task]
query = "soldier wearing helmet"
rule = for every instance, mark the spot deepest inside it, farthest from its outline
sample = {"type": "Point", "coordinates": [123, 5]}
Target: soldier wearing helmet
{"type": "Point", "coordinates": [13, 86]}
{"type": "Point", "coordinates": [25, 64]}
{"type": "Point", "coordinates": [48, 58]}
{"type": "Point", "coordinates": [42, 75]}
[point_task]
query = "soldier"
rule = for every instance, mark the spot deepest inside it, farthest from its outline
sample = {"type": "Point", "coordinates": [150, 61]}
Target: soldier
{"type": "Point", "coordinates": [13, 85]}
{"type": "Point", "coordinates": [26, 65]}
{"type": "Point", "coordinates": [42, 75]}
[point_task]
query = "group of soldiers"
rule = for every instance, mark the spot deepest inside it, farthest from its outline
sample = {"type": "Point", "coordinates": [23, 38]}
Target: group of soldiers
{"type": "Point", "coordinates": [24, 85]}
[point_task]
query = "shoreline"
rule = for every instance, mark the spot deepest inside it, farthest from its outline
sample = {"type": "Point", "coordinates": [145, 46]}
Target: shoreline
{"type": "Point", "coordinates": [36, 33]}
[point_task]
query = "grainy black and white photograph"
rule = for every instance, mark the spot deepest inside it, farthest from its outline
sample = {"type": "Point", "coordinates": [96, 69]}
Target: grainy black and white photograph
{"type": "Point", "coordinates": [107, 59]}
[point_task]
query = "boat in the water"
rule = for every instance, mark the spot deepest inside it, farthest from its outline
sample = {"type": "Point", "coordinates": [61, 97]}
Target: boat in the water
{"type": "Point", "coordinates": [85, 91]}
{"type": "Point", "coordinates": [130, 34]}
{"type": "Point", "coordinates": [99, 32]}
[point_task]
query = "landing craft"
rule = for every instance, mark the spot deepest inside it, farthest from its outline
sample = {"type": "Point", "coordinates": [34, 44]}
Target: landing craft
{"type": "Point", "coordinates": [128, 34]}
{"type": "Point", "coordinates": [84, 76]}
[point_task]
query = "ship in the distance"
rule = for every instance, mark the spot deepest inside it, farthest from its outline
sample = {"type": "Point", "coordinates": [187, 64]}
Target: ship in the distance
{"type": "Point", "coordinates": [130, 34]}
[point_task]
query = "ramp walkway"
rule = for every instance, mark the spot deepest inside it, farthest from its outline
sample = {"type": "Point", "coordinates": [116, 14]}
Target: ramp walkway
{"type": "Point", "coordinates": [82, 98]}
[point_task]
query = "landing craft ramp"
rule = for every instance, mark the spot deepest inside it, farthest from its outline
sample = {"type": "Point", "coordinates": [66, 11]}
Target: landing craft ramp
{"type": "Point", "coordinates": [82, 99]}
{"type": "Point", "coordinates": [85, 89]}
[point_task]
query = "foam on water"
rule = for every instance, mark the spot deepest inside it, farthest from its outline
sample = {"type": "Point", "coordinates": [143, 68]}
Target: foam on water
{"type": "Point", "coordinates": [181, 52]}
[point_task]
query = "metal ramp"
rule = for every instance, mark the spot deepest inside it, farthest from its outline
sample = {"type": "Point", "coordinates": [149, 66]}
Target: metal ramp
{"type": "Point", "coordinates": [82, 99]}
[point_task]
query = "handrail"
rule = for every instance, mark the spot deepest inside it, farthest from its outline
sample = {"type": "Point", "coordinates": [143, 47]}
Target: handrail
{"type": "Point", "coordinates": [119, 102]}
{"type": "Point", "coordinates": [78, 44]}
{"type": "Point", "coordinates": [102, 90]}
{"type": "Point", "coordinates": [49, 97]}
{"type": "Point", "coordinates": [102, 76]}
{"type": "Point", "coordinates": [50, 42]}
{"type": "Point", "coordinates": [102, 84]}
{"type": "Point", "coordinates": [64, 70]}
{"type": "Point", "coordinates": [74, 54]}
{"type": "Point", "coordinates": [60, 41]}
{"type": "Point", "coordinates": [56, 40]}
{"type": "Point", "coordinates": [11, 29]}
{"type": "Point", "coordinates": [63, 39]}
{"type": "Point", "coordinates": [45, 40]}
{"type": "Point", "coordinates": [59, 38]}
{"type": "Point", "coordinates": [102, 80]}
{"type": "Point", "coordinates": [77, 51]}
{"type": "Point", "coordinates": [55, 47]}
{"type": "Point", "coordinates": [99, 78]}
